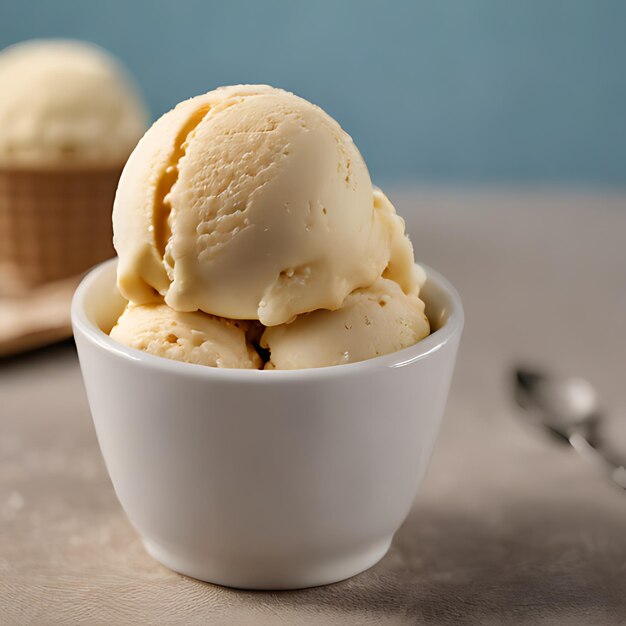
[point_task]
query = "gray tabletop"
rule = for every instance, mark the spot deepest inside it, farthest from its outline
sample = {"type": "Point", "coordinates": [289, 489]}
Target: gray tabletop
{"type": "Point", "coordinates": [507, 528]}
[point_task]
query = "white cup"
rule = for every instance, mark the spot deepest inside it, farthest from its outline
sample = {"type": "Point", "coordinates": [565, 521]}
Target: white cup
{"type": "Point", "coordinates": [265, 479]}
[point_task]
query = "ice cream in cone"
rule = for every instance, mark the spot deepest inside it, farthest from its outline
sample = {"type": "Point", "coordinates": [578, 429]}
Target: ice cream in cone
{"type": "Point", "coordinates": [69, 118]}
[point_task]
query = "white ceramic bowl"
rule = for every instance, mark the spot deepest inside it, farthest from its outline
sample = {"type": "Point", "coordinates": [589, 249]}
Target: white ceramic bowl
{"type": "Point", "coordinates": [265, 479]}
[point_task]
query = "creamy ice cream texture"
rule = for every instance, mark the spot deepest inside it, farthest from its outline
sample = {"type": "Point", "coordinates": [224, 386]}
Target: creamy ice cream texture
{"type": "Point", "coordinates": [66, 101]}
{"type": "Point", "coordinates": [250, 203]}
{"type": "Point", "coordinates": [190, 337]}
{"type": "Point", "coordinates": [372, 321]}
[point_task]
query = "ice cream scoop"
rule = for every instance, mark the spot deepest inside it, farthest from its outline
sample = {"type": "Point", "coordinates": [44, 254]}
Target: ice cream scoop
{"type": "Point", "coordinates": [66, 102]}
{"type": "Point", "coordinates": [190, 337]}
{"type": "Point", "coordinates": [251, 203]}
{"type": "Point", "coordinates": [372, 321]}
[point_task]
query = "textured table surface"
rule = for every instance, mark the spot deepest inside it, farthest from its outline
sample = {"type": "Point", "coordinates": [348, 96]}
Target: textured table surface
{"type": "Point", "coordinates": [508, 527]}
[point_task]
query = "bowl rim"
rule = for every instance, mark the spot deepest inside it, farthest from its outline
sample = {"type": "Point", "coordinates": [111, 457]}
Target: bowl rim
{"type": "Point", "coordinates": [100, 340]}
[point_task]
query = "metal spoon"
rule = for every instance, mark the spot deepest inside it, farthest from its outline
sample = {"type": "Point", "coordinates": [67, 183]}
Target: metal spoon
{"type": "Point", "coordinates": [568, 408]}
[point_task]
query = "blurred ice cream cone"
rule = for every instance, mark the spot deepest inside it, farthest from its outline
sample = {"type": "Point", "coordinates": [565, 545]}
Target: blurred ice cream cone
{"type": "Point", "coordinates": [69, 118]}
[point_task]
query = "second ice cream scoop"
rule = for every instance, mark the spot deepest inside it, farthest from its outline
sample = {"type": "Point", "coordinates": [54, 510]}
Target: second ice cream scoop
{"type": "Point", "coordinates": [372, 321]}
{"type": "Point", "coordinates": [67, 103]}
{"type": "Point", "coordinates": [190, 337]}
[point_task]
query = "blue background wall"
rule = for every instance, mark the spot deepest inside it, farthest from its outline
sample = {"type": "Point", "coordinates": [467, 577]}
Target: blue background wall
{"type": "Point", "coordinates": [436, 90]}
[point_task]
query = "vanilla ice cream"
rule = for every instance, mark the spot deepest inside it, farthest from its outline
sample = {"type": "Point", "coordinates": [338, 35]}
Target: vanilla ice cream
{"type": "Point", "coordinates": [250, 203]}
{"type": "Point", "coordinates": [190, 337]}
{"type": "Point", "coordinates": [372, 321]}
{"type": "Point", "coordinates": [66, 102]}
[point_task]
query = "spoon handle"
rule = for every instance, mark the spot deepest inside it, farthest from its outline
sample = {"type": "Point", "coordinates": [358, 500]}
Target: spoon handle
{"type": "Point", "coordinates": [617, 473]}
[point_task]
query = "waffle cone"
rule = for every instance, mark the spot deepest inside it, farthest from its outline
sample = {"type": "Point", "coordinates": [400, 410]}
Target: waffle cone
{"type": "Point", "coordinates": [53, 223]}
